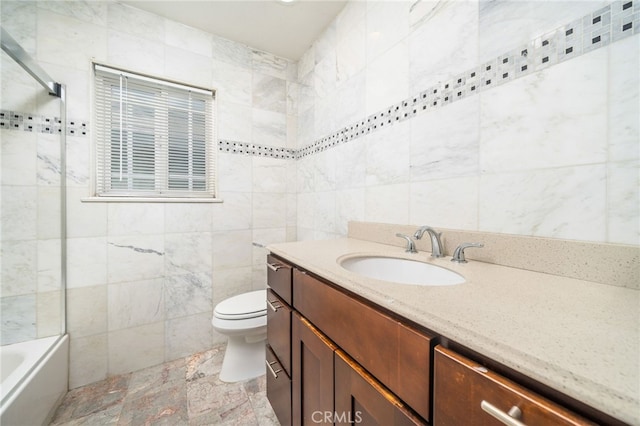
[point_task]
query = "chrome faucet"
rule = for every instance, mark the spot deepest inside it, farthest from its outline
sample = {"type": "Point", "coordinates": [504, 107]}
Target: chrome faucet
{"type": "Point", "coordinates": [411, 246]}
{"type": "Point", "coordinates": [436, 244]}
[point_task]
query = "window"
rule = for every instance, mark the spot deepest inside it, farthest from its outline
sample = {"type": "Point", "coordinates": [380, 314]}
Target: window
{"type": "Point", "coordinates": [153, 138]}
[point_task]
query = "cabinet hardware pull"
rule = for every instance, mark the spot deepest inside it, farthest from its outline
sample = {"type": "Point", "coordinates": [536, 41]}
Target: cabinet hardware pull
{"type": "Point", "coordinates": [274, 267]}
{"type": "Point", "coordinates": [269, 364]}
{"type": "Point", "coordinates": [272, 306]}
{"type": "Point", "coordinates": [510, 419]}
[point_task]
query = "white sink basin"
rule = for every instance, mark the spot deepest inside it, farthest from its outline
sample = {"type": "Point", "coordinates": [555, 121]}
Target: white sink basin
{"type": "Point", "coordinates": [404, 271]}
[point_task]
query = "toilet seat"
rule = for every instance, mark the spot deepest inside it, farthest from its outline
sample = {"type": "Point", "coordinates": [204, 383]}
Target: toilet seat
{"type": "Point", "coordinates": [243, 306]}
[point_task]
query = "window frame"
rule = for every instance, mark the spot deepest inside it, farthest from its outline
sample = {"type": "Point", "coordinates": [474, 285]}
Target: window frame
{"type": "Point", "coordinates": [102, 140]}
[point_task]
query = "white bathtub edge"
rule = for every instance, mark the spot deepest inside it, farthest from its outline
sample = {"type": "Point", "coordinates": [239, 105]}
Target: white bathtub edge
{"type": "Point", "coordinates": [35, 400]}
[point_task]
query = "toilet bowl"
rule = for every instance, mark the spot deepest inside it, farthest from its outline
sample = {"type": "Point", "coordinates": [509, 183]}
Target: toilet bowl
{"type": "Point", "coordinates": [243, 319]}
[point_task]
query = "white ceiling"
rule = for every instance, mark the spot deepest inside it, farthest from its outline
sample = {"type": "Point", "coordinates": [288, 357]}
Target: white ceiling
{"type": "Point", "coordinates": [284, 29]}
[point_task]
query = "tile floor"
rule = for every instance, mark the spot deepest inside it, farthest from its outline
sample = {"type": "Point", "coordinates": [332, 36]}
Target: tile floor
{"type": "Point", "coordinates": [182, 392]}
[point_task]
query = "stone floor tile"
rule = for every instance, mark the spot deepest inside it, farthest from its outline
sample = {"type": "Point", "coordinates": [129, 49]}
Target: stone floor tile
{"type": "Point", "coordinates": [92, 398]}
{"type": "Point", "coordinates": [105, 417]}
{"type": "Point", "coordinates": [164, 406]}
{"type": "Point", "coordinates": [257, 385]}
{"type": "Point", "coordinates": [234, 415]}
{"type": "Point", "coordinates": [211, 395]}
{"type": "Point", "coordinates": [205, 364]}
{"type": "Point", "coordinates": [186, 392]}
{"type": "Point", "coordinates": [263, 410]}
{"type": "Point", "coordinates": [154, 377]}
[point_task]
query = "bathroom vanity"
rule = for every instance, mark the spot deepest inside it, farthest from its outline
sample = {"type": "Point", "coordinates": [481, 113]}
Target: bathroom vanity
{"type": "Point", "coordinates": [303, 362]}
{"type": "Point", "coordinates": [343, 349]}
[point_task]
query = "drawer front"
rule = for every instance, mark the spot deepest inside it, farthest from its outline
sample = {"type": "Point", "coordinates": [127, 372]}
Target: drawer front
{"type": "Point", "coordinates": [278, 388]}
{"type": "Point", "coordinates": [467, 393]}
{"type": "Point", "coordinates": [279, 278]}
{"type": "Point", "coordinates": [279, 329]}
{"type": "Point", "coordinates": [396, 355]}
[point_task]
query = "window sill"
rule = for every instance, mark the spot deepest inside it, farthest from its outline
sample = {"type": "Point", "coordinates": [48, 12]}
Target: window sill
{"type": "Point", "coordinates": [149, 200]}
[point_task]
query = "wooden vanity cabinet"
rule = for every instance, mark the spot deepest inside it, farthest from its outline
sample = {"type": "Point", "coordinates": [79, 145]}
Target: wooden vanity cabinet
{"type": "Point", "coordinates": [350, 361]}
{"type": "Point", "coordinates": [329, 387]}
{"type": "Point", "coordinates": [278, 350]}
{"type": "Point", "coordinates": [395, 354]}
{"type": "Point", "coordinates": [465, 393]}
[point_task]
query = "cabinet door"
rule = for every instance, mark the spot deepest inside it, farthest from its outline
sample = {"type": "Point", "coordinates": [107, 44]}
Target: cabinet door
{"type": "Point", "coordinates": [279, 329]}
{"type": "Point", "coordinates": [361, 399]}
{"type": "Point", "coordinates": [312, 377]}
{"type": "Point", "coordinates": [466, 393]}
{"type": "Point", "coordinates": [397, 355]}
{"type": "Point", "coordinates": [278, 389]}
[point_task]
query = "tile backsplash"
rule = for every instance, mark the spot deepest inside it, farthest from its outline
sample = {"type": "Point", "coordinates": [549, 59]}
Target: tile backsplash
{"type": "Point", "coordinates": [610, 264]}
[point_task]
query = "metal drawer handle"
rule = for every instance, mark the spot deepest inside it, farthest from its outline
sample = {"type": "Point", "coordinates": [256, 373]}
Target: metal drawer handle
{"type": "Point", "coordinates": [274, 266]}
{"type": "Point", "coordinates": [509, 419]}
{"type": "Point", "coordinates": [269, 364]}
{"type": "Point", "coordinates": [272, 306]}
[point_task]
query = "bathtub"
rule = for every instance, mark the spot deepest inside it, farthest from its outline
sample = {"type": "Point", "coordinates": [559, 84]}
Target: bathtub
{"type": "Point", "coordinates": [34, 380]}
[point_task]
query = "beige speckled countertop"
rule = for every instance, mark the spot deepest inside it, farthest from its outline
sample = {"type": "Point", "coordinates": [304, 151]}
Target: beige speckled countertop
{"type": "Point", "coordinates": [579, 337]}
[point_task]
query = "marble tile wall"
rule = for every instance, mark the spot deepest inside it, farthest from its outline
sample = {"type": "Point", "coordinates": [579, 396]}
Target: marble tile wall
{"type": "Point", "coordinates": [142, 278]}
{"type": "Point", "coordinates": [30, 244]}
{"type": "Point", "coordinates": [509, 117]}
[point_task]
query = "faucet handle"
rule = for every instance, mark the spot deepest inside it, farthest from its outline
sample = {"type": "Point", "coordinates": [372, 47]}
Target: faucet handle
{"type": "Point", "coordinates": [411, 246]}
{"type": "Point", "coordinates": [458, 254]}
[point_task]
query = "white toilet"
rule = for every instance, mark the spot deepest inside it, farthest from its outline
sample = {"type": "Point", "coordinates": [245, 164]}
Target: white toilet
{"type": "Point", "coordinates": [243, 319]}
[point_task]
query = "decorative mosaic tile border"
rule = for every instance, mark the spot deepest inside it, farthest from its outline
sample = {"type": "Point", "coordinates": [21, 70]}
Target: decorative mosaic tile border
{"type": "Point", "coordinates": [611, 23]}
{"type": "Point", "coordinates": [21, 121]}
{"type": "Point", "coordinates": [236, 147]}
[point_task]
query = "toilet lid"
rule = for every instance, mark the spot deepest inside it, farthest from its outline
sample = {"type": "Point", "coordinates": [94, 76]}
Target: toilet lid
{"type": "Point", "coordinates": [243, 306]}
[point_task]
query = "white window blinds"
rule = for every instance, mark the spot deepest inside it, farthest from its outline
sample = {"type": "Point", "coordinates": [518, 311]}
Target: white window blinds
{"type": "Point", "coordinates": [153, 138]}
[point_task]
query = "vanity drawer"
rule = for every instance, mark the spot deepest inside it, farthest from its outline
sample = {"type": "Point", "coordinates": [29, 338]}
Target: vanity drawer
{"type": "Point", "coordinates": [465, 392]}
{"type": "Point", "coordinates": [279, 277]}
{"type": "Point", "coordinates": [278, 388]}
{"type": "Point", "coordinates": [397, 355]}
{"type": "Point", "coordinates": [279, 329]}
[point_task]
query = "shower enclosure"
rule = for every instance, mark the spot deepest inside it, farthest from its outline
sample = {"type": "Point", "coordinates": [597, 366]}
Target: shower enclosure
{"type": "Point", "coordinates": [34, 353]}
